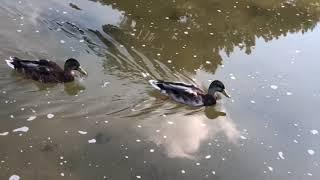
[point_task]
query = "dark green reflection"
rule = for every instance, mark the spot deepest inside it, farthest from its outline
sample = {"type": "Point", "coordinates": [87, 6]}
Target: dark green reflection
{"type": "Point", "coordinates": [192, 33]}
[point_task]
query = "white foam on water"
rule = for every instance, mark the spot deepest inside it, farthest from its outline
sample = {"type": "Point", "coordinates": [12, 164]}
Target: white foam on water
{"type": "Point", "coordinates": [22, 129]}
{"type": "Point", "coordinates": [144, 74]}
{"type": "Point", "coordinates": [31, 118]}
{"type": "Point", "coordinates": [274, 87]}
{"type": "Point", "coordinates": [281, 155]}
{"type": "Point", "coordinates": [243, 137]}
{"type": "Point", "coordinates": [92, 141]}
{"type": "Point", "coordinates": [314, 132]}
{"type": "Point", "coordinates": [138, 140]}
{"type": "Point", "coordinates": [82, 132]}
{"type": "Point", "coordinates": [62, 41]}
{"type": "Point", "coordinates": [309, 174]}
{"type": "Point", "coordinates": [62, 174]}
{"type": "Point", "coordinates": [151, 150]}
{"type": "Point", "coordinates": [183, 171]}
{"type": "Point", "coordinates": [295, 141]}
{"type": "Point", "coordinates": [170, 122]}
{"type": "Point", "coordinates": [105, 84]}
{"type": "Point", "coordinates": [208, 62]}
{"type": "Point", "coordinates": [198, 164]}
{"type": "Point", "coordinates": [14, 177]}
{"type": "Point", "coordinates": [213, 172]}
{"type": "Point", "coordinates": [19, 30]}
{"type": "Point", "coordinates": [311, 152]}
{"type": "Point", "coordinates": [252, 101]}
{"type": "Point", "coordinates": [289, 93]}
{"type": "Point", "coordinates": [208, 156]}
{"type": "Point", "coordinates": [49, 116]}
{"type": "Point", "coordinates": [270, 168]}
{"type": "Point", "coordinates": [4, 133]}
{"type": "Point", "coordinates": [138, 177]}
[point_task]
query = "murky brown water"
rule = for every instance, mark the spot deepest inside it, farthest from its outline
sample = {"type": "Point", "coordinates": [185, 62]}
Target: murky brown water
{"type": "Point", "coordinates": [266, 52]}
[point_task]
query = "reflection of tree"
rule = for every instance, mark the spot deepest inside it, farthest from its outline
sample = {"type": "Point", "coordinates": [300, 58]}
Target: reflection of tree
{"type": "Point", "coordinates": [181, 29]}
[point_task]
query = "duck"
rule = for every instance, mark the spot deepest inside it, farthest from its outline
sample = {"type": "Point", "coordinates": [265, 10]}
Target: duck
{"type": "Point", "coordinates": [46, 71]}
{"type": "Point", "coordinates": [189, 94]}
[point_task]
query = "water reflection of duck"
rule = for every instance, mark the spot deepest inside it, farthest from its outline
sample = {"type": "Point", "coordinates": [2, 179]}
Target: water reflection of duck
{"type": "Point", "coordinates": [46, 71]}
{"type": "Point", "coordinates": [189, 94]}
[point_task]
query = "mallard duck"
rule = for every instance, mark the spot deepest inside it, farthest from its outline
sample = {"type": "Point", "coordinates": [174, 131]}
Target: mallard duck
{"type": "Point", "coordinates": [190, 94]}
{"type": "Point", "coordinates": [46, 71]}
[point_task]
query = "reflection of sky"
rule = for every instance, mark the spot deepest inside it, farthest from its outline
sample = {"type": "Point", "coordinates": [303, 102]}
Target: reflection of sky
{"type": "Point", "coordinates": [92, 15]}
{"type": "Point", "coordinates": [181, 135]}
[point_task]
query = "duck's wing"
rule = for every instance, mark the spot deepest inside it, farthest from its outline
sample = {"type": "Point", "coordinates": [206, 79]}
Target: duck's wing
{"type": "Point", "coordinates": [180, 92]}
{"type": "Point", "coordinates": [42, 70]}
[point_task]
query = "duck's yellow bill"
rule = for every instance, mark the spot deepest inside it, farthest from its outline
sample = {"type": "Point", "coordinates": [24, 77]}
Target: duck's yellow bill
{"type": "Point", "coordinates": [82, 71]}
{"type": "Point", "coordinates": [224, 92]}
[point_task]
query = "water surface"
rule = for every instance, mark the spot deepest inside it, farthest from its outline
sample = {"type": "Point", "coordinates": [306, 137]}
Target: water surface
{"type": "Point", "coordinates": [113, 125]}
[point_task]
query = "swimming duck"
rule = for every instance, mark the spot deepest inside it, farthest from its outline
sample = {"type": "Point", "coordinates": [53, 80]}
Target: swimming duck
{"type": "Point", "coordinates": [46, 71]}
{"type": "Point", "coordinates": [190, 94]}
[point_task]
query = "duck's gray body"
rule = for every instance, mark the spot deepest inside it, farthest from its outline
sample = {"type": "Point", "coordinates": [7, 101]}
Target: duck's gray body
{"type": "Point", "coordinates": [184, 93]}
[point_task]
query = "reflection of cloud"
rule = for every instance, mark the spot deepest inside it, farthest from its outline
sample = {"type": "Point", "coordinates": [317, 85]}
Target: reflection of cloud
{"type": "Point", "coordinates": [181, 135]}
{"type": "Point", "coordinates": [184, 136]}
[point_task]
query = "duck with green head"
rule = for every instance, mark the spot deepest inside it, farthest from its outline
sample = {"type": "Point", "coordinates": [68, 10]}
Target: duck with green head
{"type": "Point", "coordinates": [46, 71]}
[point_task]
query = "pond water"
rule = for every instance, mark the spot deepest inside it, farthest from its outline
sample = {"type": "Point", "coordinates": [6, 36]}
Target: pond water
{"type": "Point", "coordinates": [114, 125]}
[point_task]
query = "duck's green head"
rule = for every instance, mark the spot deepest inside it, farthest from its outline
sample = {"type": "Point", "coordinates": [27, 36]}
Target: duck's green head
{"type": "Point", "coordinates": [217, 86]}
{"type": "Point", "coordinates": [73, 64]}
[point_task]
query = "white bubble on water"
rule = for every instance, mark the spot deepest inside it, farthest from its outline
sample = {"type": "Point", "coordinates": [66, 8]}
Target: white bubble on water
{"type": "Point", "coordinates": [92, 141]}
{"type": "Point", "coordinates": [151, 150]}
{"type": "Point", "coordinates": [213, 172]}
{"type": "Point", "coordinates": [14, 177]}
{"type": "Point", "coordinates": [186, 32]}
{"type": "Point", "coordinates": [50, 116]}
{"type": "Point", "coordinates": [208, 156]}
{"type": "Point", "coordinates": [289, 93]}
{"type": "Point", "coordinates": [31, 118]}
{"type": "Point", "coordinates": [138, 177]}
{"type": "Point", "coordinates": [19, 30]}
{"type": "Point", "coordinates": [270, 168]}
{"type": "Point", "coordinates": [62, 41]}
{"type": "Point", "coordinates": [82, 132]}
{"type": "Point", "coordinates": [183, 171]}
{"type": "Point", "coordinates": [252, 101]}
{"type": "Point", "coordinates": [309, 174]}
{"type": "Point", "coordinates": [311, 152]}
{"type": "Point", "coordinates": [138, 140]}
{"type": "Point", "coordinates": [22, 129]}
{"type": "Point", "coordinates": [274, 87]}
{"type": "Point", "coordinates": [243, 137]}
{"type": "Point", "coordinates": [314, 132]}
{"type": "Point", "coordinates": [4, 133]}
{"type": "Point", "coordinates": [281, 155]}
{"type": "Point", "coordinates": [62, 174]}
{"type": "Point", "coordinates": [170, 122]}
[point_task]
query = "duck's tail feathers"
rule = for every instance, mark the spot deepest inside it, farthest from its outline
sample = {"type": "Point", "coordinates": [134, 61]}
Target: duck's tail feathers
{"type": "Point", "coordinates": [154, 83]}
{"type": "Point", "coordinates": [10, 62]}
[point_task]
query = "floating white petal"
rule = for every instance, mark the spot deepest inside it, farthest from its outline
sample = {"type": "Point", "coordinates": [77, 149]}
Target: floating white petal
{"type": "Point", "coordinates": [31, 118]}
{"type": "Point", "coordinates": [49, 116]}
{"type": "Point", "coordinates": [92, 141]}
{"type": "Point", "coordinates": [4, 133]}
{"type": "Point", "coordinates": [14, 177]}
{"type": "Point", "coordinates": [314, 132]}
{"type": "Point", "coordinates": [311, 152]}
{"type": "Point", "coordinates": [281, 155]}
{"type": "Point", "coordinates": [274, 87]}
{"type": "Point", "coordinates": [82, 132]}
{"type": "Point", "coordinates": [22, 129]}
